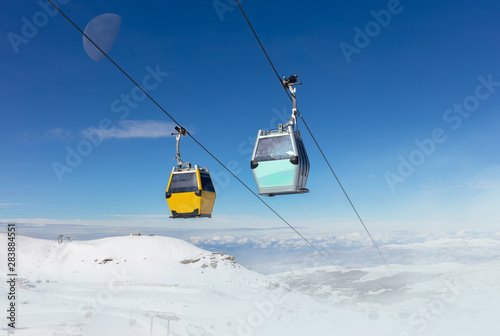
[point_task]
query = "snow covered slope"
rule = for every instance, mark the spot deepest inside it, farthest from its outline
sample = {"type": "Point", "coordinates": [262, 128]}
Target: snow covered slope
{"type": "Point", "coordinates": [151, 285]}
{"type": "Point", "coordinates": [138, 259]}
{"type": "Point", "coordinates": [137, 285]}
{"type": "Point", "coordinates": [421, 295]}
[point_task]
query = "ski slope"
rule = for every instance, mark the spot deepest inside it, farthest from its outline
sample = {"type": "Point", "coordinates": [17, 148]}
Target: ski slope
{"type": "Point", "coordinates": [153, 285]}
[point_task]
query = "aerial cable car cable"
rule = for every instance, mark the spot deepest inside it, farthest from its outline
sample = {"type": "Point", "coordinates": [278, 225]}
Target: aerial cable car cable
{"type": "Point", "coordinates": [262, 47]}
{"type": "Point", "coordinates": [114, 63]}
{"type": "Point", "coordinates": [283, 83]}
{"type": "Point", "coordinates": [187, 133]}
{"type": "Point", "coordinates": [346, 195]}
{"type": "Point", "coordinates": [279, 161]}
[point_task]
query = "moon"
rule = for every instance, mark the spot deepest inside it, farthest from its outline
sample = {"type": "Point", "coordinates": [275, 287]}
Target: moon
{"type": "Point", "coordinates": [103, 30]}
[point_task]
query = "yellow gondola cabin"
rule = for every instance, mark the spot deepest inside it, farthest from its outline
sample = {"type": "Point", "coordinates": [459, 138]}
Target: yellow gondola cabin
{"type": "Point", "coordinates": [190, 192]}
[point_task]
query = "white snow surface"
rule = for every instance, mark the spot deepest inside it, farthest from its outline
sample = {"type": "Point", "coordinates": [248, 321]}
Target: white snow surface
{"type": "Point", "coordinates": [139, 259]}
{"type": "Point", "coordinates": [153, 285]}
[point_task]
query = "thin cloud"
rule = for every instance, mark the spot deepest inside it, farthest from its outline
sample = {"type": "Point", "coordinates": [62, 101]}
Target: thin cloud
{"type": "Point", "coordinates": [441, 188]}
{"type": "Point", "coordinates": [55, 134]}
{"type": "Point", "coordinates": [58, 134]}
{"type": "Point", "coordinates": [481, 185]}
{"type": "Point", "coordinates": [128, 129]}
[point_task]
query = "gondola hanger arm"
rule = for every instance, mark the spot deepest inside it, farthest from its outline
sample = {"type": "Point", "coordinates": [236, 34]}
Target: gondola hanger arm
{"type": "Point", "coordinates": [180, 132]}
{"type": "Point", "coordinates": [288, 84]}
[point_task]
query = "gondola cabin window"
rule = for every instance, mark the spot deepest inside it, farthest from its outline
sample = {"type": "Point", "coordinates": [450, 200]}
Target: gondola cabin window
{"type": "Point", "coordinates": [274, 148]}
{"type": "Point", "coordinates": [206, 182]}
{"type": "Point", "coordinates": [184, 182]}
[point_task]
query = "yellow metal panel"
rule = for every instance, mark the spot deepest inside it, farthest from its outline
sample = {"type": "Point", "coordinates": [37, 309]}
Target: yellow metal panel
{"type": "Point", "coordinates": [184, 202]}
{"type": "Point", "coordinates": [207, 202]}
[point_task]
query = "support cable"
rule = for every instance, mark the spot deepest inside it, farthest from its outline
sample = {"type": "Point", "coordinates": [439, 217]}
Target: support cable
{"type": "Point", "coordinates": [317, 144]}
{"type": "Point", "coordinates": [194, 139]}
{"type": "Point", "coordinates": [345, 193]}
{"type": "Point", "coordinates": [262, 47]}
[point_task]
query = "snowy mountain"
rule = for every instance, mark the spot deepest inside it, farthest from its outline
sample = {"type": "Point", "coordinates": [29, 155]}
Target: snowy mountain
{"type": "Point", "coordinates": [140, 284]}
{"type": "Point", "coordinates": [137, 259]}
{"type": "Point", "coordinates": [439, 287]}
{"type": "Point", "coordinates": [151, 285]}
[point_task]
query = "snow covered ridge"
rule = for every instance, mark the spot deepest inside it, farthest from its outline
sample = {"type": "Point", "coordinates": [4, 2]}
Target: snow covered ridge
{"type": "Point", "coordinates": [150, 285]}
{"type": "Point", "coordinates": [130, 259]}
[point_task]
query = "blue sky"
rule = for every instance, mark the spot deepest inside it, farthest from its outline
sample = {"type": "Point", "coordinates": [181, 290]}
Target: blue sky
{"type": "Point", "coordinates": [402, 96]}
